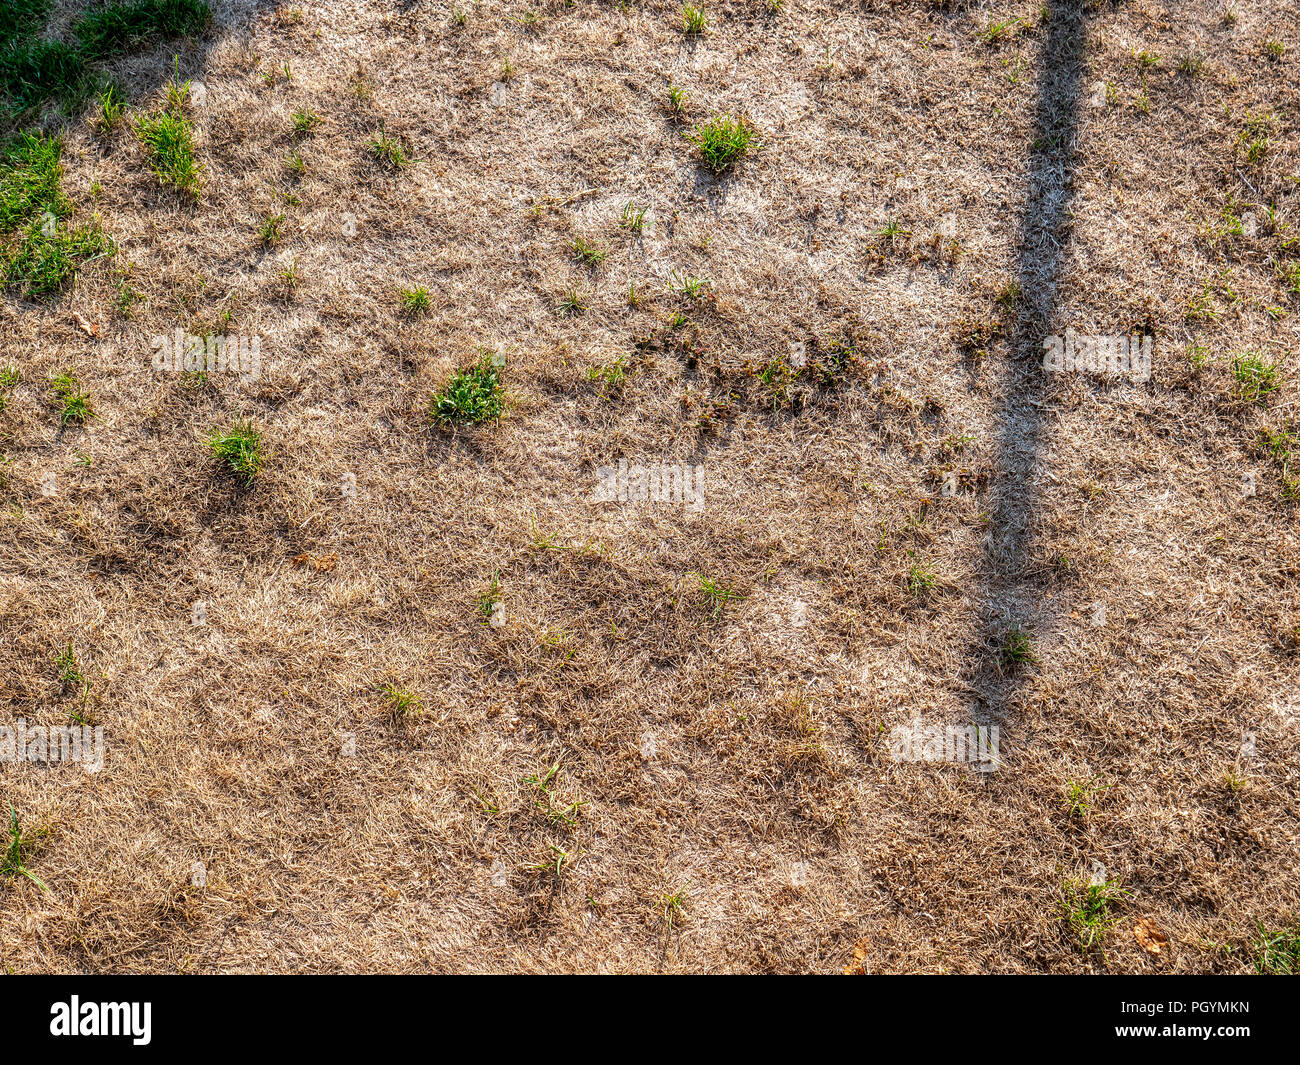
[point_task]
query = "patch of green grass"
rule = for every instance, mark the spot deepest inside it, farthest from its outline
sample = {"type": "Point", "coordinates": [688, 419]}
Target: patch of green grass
{"type": "Point", "coordinates": [611, 374]}
{"type": "Point", "coordinates": [240, 448]}
{"type": "Point", "coordinates": [30, 174]}
{"type": "Point", "coordinates": [694, 19]}
{"type": "Point", "coordinates": [168, 139]}
{"type": "Point", "coordinates": [73, 403]}
{"type": "Point", "coordinates": [18, 18]}
{"type": "Point", "coordinates": [677, 98]}
{"type": "Point", "coordinates": [50, 256]}
{"type": "Point", "coordinates": [633, 217]}
{"type": "Point", "coordinates": [573, 301]}
{"type": "Point", "coordinates": [33, 69]}
{"type": "Point", "coordinates": [893, 229]}
{"type": "Point", "coordinates": [691, 287]}
{"type": "Point", "coordinates": [109, 108]}
{"type": "Point", "coordinates": [1256, 379]}
{"type": "Point", "coordinates": [415, 300]}
{"type": "Point", "coordinates": [996, 31]}
{"type": "Point", "coordinates": [1274, 49]}
{"type": "Point", "coordinates": [270, 234]}
{"type": "Point", "coordinates": [723, 140]}
{"type": "Point", "coordinates": [116, 28]}
{"type": "Point", "coordinates": [304, 122]}
{"type": "Point", "coordinates": [1290, 275]}
{"type": "Point", "coordinates": [1017, 648]}
{"type": "Point", "coordinates": [403, 703]}
{"type": "Point", "coordinates": [1277, 953]}
{"type": "Point", "coordinates": [1085, 907]}
{"type": "Point", "coordinates": [488, 601]}
{"type": "Point", "coordinates": [673, 906]}
{"type": "Point", "coordinates": [715, 593]}
{"type": "Point", "coordinates": [586, 253]}
{"type": "Point", "coordinates": [920, 579]}
{"type": "Point", "coordinates": [388, 151]}
{"type": "Point", "coordinates": [47, 254]}
{"type": "Point", "coordinates": [474, 394]}
{"type": "Point", "coordinates": [1080, 797]}
{"type": "Point", "coordinates": [70, 675]}
{"type": "Point", "coordinates": [13, 863]}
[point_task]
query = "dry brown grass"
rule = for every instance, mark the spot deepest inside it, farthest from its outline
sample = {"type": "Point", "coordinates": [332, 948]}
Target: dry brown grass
{"type": "Point", "coordinates": [736, 760]}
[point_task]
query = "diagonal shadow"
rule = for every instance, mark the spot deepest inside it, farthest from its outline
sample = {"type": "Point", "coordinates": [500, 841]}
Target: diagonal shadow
{"type": "Point", "coordinates": [1005, 595]}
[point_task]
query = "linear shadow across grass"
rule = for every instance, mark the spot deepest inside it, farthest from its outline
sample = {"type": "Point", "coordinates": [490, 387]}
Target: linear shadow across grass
{"type": "Point", "coordinates": [1000, 658]}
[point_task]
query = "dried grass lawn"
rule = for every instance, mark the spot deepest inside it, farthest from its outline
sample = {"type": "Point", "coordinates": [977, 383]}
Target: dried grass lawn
{"type": "Point", "coordinates": [929, 201]}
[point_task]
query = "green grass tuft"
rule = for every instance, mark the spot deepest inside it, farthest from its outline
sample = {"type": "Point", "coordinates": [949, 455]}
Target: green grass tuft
{"type": "Point", "coordinates": [723, 140]}
{"type": "Point", "coordinates": [73, 401]}
{"type": "Point", "coordinates": [240, 448]}
{"type": "Point", "coordinates": [473, 395]}
{"type": "Point", "coordinates": [1277, 953]}
{"type": "Point", "coordinates": [1256, 379]}
{"type": "Point", "coordinates": [168, 138]}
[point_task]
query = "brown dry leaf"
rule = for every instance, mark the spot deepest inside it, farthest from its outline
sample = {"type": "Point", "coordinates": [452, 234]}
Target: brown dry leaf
{"type": "Point", "coordinates": [80, 319]}
{"type": "Point", "coordinates": [321, 565]}
{"type": "Point", "coordinates": [1149, 937]}
{"type": "Point", "coordinates": [857, 967]}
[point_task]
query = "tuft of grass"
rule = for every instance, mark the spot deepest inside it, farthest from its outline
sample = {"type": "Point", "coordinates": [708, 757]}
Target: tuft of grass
{"type": "Point", "coordinates": [1256, 379]}
{"type": "Point", "coordinates": [304, 121]}
{"type": "Point", "coordinates": [109, 109]}
{"type": "Point", "coordinates": [677, 98]}
{"type": "Point", "coordinates": [673, 906]}
{"type": "Point", "coordinates": [573, 301]}
{"type": "Point", "coordinates": [388, 151]}
{"type": "Point", "coordinates": [1274, 49]}
{"type": "Point", "coordinates": [694, 19]}
{"type": "Point", "coordinates": [1277, 953]}
{"type": "Point", "coordinates": [997, 31]}
{"type": "Point", "coordinates": [1080, 797]}
{"type": "Point", "coordinates": [693, 288]}
{"type": "Point", "coordinates": [920, 579]}
{"type": "Point", "coordinates": [715, 593]}
{"type": "Point", "coordinates": [415, 300]}
{"type": "Point", "coordinates": [633, 217]}
{"type": "Point", "coordinates": [30, 174]}
{"type": "Point", "coordinates": [612, 374]}
{"type": "Point", "coordinates": [74, 403]}
{"type": "Point", "coordinates": [403, 704]}
{"type": "Point", "coordinates": [70, 674]}
{"type": "Point", "coordinates": [168, 139]}
{"type": "Point", "coordinates": [13, 863]}
{"type": "Point", "coordinates": [723, 141]}
{"type": "Point", "coordinates": [49, 255]}
{"type": "Point", "coordinates": [270, 234]}
{"type": "Point", "coordinates": [240, 448]}
{"type": "Point", "coordinates": [1085, 907]}
{"type": "Point", "coordinates": [1017, 648]}
{"type": "Point", "coordinates": [473, 395]}
{"type": "Point", "coordinates": [586, 253]}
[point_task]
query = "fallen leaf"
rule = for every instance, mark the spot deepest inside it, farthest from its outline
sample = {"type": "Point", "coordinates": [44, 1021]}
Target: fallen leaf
{"type": "Point", "coordinates": [91, 330]}
{"type": "Point", "coordinates": [1149, 937]}
{"type": "Point", "coordinates": [321, 565]}
{"type": "Point", "coordinates": [858, 966]}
